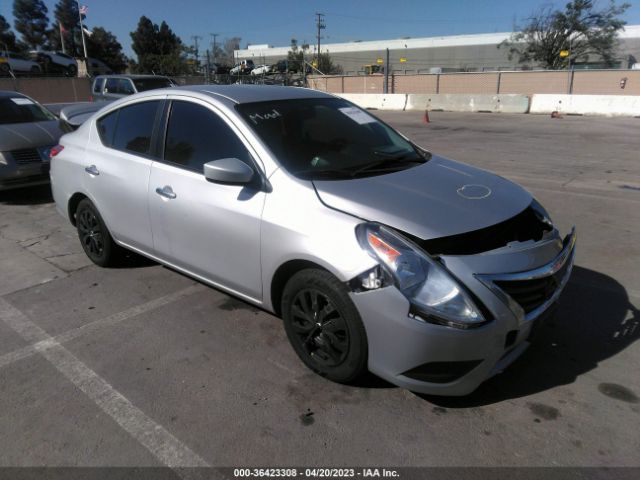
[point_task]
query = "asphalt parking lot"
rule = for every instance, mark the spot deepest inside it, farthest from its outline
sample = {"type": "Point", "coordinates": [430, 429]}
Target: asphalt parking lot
{"type": "Point", "coordinates": [141, 366]}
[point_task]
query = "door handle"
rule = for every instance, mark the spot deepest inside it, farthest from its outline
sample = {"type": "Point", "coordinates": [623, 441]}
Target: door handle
{"type": "Point", "coordinates": [92, 170]}
{"type": "Point", "coordinates": [166, 192]}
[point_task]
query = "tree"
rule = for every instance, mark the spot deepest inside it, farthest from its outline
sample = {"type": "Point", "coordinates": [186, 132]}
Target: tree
{"type": "Point", "coordinates": [159, 50]}
{"type": "Point", "coordinates": [326, 65]}
{"type": "Point", "coordinates": [229, 50]}
{"type": "Point", "coordinates": [31, 22]}
{"type": "Point", "coordinates": [104, 46]}
{"type": "Point", "coordinates": [66, 14]}
{"type": "Point", "coordinates": [580, 29]}
{"type": "Point", "coordinates": [7, 37]}
{"type": "Point", "coordinates": [295, 56]}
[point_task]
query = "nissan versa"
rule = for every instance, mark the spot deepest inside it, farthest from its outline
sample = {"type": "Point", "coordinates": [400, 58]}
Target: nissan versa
{"type": "Point", "coordinates": [377, 254]}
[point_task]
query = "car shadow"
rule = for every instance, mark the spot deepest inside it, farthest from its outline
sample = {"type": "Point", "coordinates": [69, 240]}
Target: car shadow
{"type": "Point", "coordinates": [595, 321]}
{"type": "Point", "coordinates": [38, 195]}
{"type": "Point", "coordinates": [131, 259]}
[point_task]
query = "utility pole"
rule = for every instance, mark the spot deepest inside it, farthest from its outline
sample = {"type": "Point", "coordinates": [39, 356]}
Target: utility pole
{"type": "Point", "coordinates": [386, 73]}
{"type": "Point", "coordinates": [213, 45]}
{"type": "Point", "coordinates": [195, 39]}
{"type": "Point", "coordinates": [321, 26]}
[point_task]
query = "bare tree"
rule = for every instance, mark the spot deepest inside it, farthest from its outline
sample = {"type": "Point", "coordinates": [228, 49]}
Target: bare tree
{"type": "Point", "coordinates": [580, 29]}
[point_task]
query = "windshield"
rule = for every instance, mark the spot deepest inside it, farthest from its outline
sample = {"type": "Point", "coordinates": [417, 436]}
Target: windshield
{"type": "Point", "coordinates": [144, 84]}
{"type": "Point", "coordinates": [22, 110]}
{"type": "Point", "coordinates": [329, 138]}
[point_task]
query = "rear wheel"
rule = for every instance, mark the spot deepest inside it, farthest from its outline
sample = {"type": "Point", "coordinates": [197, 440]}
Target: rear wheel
{"type": "Point", "coordinates": [72, 70]}
{"type": "Point", "coordinates": [96, 240]}
{"type": "Point", "coordinates": [324, 326]}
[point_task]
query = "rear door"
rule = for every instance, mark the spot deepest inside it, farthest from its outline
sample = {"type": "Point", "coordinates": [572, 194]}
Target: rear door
{"type": "Point", "coordinates": [210, 229]}
{"type": "Point", "coordinates": [118, 164]}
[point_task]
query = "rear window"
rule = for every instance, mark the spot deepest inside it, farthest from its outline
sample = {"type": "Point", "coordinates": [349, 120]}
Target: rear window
{"type": "Point", "coordinates": [107, 127]}
{"type": "Point", "coordinates": [22, 110]}
{"type": "Point", "coordinates": [135, 127]}
{"type": "Point", "coordinates": [144, 84]}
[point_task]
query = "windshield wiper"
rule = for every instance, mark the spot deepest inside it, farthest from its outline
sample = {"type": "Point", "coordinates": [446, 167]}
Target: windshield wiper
{"type": "Point", "coordinates": [393, 163]}
{"type": "Point", "coordinates": [320, 171]}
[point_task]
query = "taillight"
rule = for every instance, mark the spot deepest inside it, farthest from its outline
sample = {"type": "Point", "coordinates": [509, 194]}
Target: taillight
{"type": "Point", "coordinates": [55, 150]}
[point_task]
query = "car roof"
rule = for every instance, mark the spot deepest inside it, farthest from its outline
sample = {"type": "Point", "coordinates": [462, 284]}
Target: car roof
{"type": "Point", "coordinates": [11, 94]}
{"type": "Point", "coordinates": [253, 93]}
{"type": "Point", "coordinates": [132, 77]}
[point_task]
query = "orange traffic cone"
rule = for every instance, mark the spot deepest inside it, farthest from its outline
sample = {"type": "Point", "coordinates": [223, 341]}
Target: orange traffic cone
{"type": "Point", "coordinates": [425, 119]}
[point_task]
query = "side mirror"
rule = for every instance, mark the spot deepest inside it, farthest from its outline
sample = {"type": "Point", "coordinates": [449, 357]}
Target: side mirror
{"type": "Point", "coordinates": [228, 170]}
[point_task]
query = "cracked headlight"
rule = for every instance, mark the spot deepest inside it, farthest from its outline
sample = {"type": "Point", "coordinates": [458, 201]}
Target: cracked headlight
{"type": "Point", "coordinates": [435, 296]}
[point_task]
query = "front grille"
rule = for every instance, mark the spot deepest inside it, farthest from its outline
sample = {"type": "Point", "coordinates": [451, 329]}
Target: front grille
{"type": "Point", "coordinates": [530, 294]}
{"type": "Point", "coordinates": [25, 156]}
{"type": "Point", "coordinates": [25, 180]}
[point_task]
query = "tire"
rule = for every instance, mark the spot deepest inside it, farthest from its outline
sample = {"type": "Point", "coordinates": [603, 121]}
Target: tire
{"type": "Point", "coordinates": [324, 326]}
{"type": "Point", "coordinates": [72, 70]}
{"type": "Point", "coordinates": [35, 70]}
{"type": "Point", "coordinates": [94, 236]}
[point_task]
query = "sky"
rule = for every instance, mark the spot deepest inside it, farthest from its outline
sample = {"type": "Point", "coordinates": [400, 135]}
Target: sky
{"type": "Point", "coordinates": [277, 22]}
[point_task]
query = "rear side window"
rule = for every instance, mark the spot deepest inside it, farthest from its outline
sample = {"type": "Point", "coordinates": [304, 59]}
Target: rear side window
{"type": "Point", "coordinates": [196, 135]}
{"type": "Point", "coordinates": [135, 127]}
{"type": "Point", "coordinates": [107, 127]}
{"type": "Point", "coordinates": [98, 84]}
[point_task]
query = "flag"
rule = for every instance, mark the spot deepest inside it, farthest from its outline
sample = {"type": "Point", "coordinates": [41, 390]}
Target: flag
{"type": "Point", "coordinates": [62, 29]}
{"type": "Point", "coordinates": [84, 10]}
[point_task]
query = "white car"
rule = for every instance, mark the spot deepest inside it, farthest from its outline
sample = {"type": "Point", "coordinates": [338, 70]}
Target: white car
{"type": "Point", "coordinates": [261, 70]}
{"type": "Point", "coordinates": [242, 68]}
{"type": "Point", "coordinates": [17, 64]}
{"type": "Point", "coordinates": [56, 62]}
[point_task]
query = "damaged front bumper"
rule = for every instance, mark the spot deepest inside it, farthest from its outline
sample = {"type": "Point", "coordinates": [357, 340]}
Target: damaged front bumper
{"type": "Point", "coordinates": [518, 285]}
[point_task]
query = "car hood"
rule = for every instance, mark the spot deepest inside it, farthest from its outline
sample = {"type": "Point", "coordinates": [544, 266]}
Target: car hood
{"type": "Point", "coordinates": [436, 199]}
{"type": "Point", "coordinates": [15, 136]}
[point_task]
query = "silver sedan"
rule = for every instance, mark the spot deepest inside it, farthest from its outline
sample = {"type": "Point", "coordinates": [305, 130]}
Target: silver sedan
{"type": "Point", "coordinates": [27, 133]}
{"type": "Point", "coordinates": [378, 255]}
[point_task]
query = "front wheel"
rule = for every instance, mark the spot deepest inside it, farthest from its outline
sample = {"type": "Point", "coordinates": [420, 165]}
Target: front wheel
{"type": "Point", "coordinates": [96, 240]}
{"type": "Point", "coordinates": [324, 326]}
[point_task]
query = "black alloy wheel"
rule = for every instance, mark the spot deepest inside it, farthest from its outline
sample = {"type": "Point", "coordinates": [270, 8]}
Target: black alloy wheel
{"type": "Point", "coordinates": [320, 328]}
{"type": "Point", "coordinates": [324, 326]}
{"type": "Point", "coordinates": [96, 240]}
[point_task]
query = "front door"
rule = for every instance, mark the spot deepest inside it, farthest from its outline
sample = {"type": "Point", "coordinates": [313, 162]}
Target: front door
{"type": "Point", "coordinates": [209, 229]}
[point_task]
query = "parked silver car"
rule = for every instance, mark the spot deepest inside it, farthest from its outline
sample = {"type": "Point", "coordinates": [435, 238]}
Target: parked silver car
{"type": "Point", "coordinates": [113, 87]}
{"type": "Point", "coordinates": [430, 273]}
{"type": "Point", "coordinates": [28, 131]}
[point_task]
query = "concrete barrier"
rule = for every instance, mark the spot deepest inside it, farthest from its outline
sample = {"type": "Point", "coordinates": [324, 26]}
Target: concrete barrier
{"type": "Point", "coordinates": [607, 105]}
{"type": "Point", "coordinates": [376, 101]}
{"type": "Point", "coordinates": [505, 103]}
{"type": "Point", "coordinates": [459, 102]}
